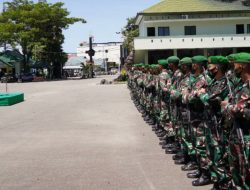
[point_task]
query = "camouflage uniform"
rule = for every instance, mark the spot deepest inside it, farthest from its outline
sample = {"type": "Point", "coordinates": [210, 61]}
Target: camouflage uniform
{"type": "Point", "coordinates": [239, 142]}
{"type": "Point", "coordinates": [182, 131]}
{"type": "Point", "coordinates": [216, 141]}
{"type": "Point", "coordinates": [197, 147]}
{"type": "Point", "coordinates": [164, 77]}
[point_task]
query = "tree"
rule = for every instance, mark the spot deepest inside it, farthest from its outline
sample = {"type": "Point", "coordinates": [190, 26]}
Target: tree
{"type": "Point", "coordinates": [35, 26]}
{"type": "Point", "coordinates": [130, 31]}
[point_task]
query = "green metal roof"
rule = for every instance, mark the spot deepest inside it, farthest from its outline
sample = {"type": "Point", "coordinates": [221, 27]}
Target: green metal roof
{"type": "Point", "coordinates": [6, 61]}
{"type": "Point", "coordinates": [193, 6]}
{"type": "Point", "coordinates": [9, 57]}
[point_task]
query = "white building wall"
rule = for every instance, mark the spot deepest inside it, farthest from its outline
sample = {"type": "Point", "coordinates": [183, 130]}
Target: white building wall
{"type": "Point", "coordinates": [113, 54]}
{"type": "Point", "coordinates": [192, 42]}
{"type": "Point", "coordinates": [203, 27]}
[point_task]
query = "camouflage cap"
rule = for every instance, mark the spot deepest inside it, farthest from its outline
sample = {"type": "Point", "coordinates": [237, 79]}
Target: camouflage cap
{"type": "Point", "coordinates": [218, 60]}
{"type": "Point", "coordinates": [242, 58]}
{"type": "Point", "coordinates": [163, 62]}
{"type": "Point", "coordinates": [173, 59]}
{"type": "Point", "coordinates": [199, 59]}
{"type": "Point", "coordinates": [186, 61]}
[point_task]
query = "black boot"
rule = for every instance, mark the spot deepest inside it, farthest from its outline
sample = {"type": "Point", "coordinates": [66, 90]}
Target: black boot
{"type": "Point", "coordinates": [181, 161]}
{"type": "Point", "coordinates": [163, 138]}
{"type": "Point", "coordinates": [171, 150]}
{"type": "Point", "coordinates": [162, 143]}
{"type": "Point", "coordinates": [162, 134]}
{"type": "Point", "coordinates": [178, 156]}
{"type": "Point", "coordinates": [194, 174]}
{"type": "Point", "coordinates": [204, 179]}
{"type": "Point", "coordinates": [169, 146]}
{"type": "Point", "coordinates": [190, 166]}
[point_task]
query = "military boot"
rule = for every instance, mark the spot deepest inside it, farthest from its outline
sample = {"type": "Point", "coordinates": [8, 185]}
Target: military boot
{"type": "Point", "coordinates": [173, 150]}
{"type": "Point", "coordinates": [161, 134]}
{"type": "Point", "coordinates": [180, 161]}
{"type": "Point", "coordinates": [194, 174]}
{"type": "Point", "coordinates": [162, 143]}
{"type": "Point", "coordinates": [190, 166]}
{"type": "Point", "coordinates": [204, 179]}
{"type": "Point", "coordinates": [165, 138]}
{"type": "Point", "coordinates": [178, 156]}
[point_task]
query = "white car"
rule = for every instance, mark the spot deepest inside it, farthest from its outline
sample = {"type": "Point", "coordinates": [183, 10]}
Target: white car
{"type": "Point", "coordinates": [113, 71]}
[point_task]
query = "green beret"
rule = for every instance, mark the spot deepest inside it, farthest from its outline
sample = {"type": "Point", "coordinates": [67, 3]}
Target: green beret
{"type": "Point", "coordinates": [219, 60]}
{"type": "Point", "coordinates": [242, 58]}
{"type": "Point", "coordinates": [173, 59]}
{"type": "Point", "coordinates": [154, 66]}
{"type": "Point", "coordinates": [199, 59]}
{"type": "Point", "coordinates": [163, 62]}
{"type": "Point", "coordinates": [231, 57]}
{"type": "Point", "coordinates": [186, 61]}
{"type": "Point", "coordinates": [146, 66]}
{"type": "Point", "coordinates": [138, 65]}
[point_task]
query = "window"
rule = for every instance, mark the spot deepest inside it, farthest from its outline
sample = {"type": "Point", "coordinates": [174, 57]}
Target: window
{"type": "Point", "coordinates": [163, 31]}
{"type": "Point", "coordinates": [151, 31]}
{"type": "Point", "coordinates": [190, 30]}
{"type": "Point", "coordinates": [248, 28]}
{"type": "Point", "coordinates": [240, 29]}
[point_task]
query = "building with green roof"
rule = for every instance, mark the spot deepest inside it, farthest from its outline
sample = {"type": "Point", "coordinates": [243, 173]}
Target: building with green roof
{"type": "Point", "coordinates": [189, 27]}
{"type": "Point", "coordinates": [11, 61]}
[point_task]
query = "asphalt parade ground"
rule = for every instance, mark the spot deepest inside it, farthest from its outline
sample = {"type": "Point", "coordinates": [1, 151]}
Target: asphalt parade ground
{"type": "Point", "coordinates": [79, 135]}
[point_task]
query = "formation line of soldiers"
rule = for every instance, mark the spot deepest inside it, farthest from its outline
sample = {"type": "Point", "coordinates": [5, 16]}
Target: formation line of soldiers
{"type": "Point", "coordinates": [200, 110]}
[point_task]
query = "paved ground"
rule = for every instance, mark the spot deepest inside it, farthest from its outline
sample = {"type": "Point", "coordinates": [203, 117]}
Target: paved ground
{"type": "Point", "coordinates": [77, 135]}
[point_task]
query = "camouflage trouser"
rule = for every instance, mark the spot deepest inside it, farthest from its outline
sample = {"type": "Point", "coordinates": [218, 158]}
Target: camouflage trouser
{"type": "Point", "coordinates": [157, 109]}
{"type": "Point", "coordinates": [198, 147]}
{"type": "Point", "coordinates": [240, 171]}
{"type": "Point", "coordinates": [163, 117]}
{"type": "Point", "coordinates": [183, 129]}
{"type": "Point", "coordinates": [166, 118]}
{"type": "Point", "coordinates": [217, 159]}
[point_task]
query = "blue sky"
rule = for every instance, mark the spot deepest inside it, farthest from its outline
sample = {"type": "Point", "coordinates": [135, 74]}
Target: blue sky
{"type": "Point", "coordinates": [104, 19]}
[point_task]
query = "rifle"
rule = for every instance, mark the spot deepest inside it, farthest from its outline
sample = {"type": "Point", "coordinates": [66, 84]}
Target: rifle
{"type": "Point", "coordinates": [211, 117]}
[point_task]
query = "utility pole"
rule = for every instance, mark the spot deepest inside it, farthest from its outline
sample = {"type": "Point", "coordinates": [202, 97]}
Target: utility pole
{"type": "Point", "coordinates": [106, 61]}
{"type": "Point", "coordinates": [91, 53]}
{"type": "Point", "coordinates": [91, 49]}
{"type": "Point", "coordinates": [121, 57]}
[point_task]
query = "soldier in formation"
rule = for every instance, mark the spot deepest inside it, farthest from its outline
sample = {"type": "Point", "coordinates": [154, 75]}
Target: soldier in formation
{"type": "Point", "coordinates": [200, 109]}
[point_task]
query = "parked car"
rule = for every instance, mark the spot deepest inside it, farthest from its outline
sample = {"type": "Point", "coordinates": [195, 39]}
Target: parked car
{"type": "Point", "coordinates": [113, 71]}
{"type": "Point", "coordinates": [27, 77]}
{"type": "Point", "coordinates": [9, 78]}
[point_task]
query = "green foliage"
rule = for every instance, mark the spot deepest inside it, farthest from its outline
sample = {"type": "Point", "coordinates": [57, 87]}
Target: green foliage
{"type": "Point", "coordinates": [130, 31]}
{"type": "Point", "coordinates": [37, 28]}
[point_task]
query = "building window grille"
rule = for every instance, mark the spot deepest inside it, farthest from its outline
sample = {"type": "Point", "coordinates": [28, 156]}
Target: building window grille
{"type": "Point", "coordinates": [240, 29]}
{"type": "Point", "coordinates": [163, 31]}
{"type": "Point", "coordinates": [151, 31]}
{"type": "Point", "coordinates": [190, 30]}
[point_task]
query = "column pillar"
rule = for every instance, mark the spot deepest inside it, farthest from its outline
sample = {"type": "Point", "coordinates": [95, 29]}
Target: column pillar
{"type": "Point", "coordinates": [175, 52]}
{"type": "Point", "coordinates": [205, 52]}
{"type": "Point", "coordinates": [146, 57]}
{"type": "Point", "coordinates": [234, 50]}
